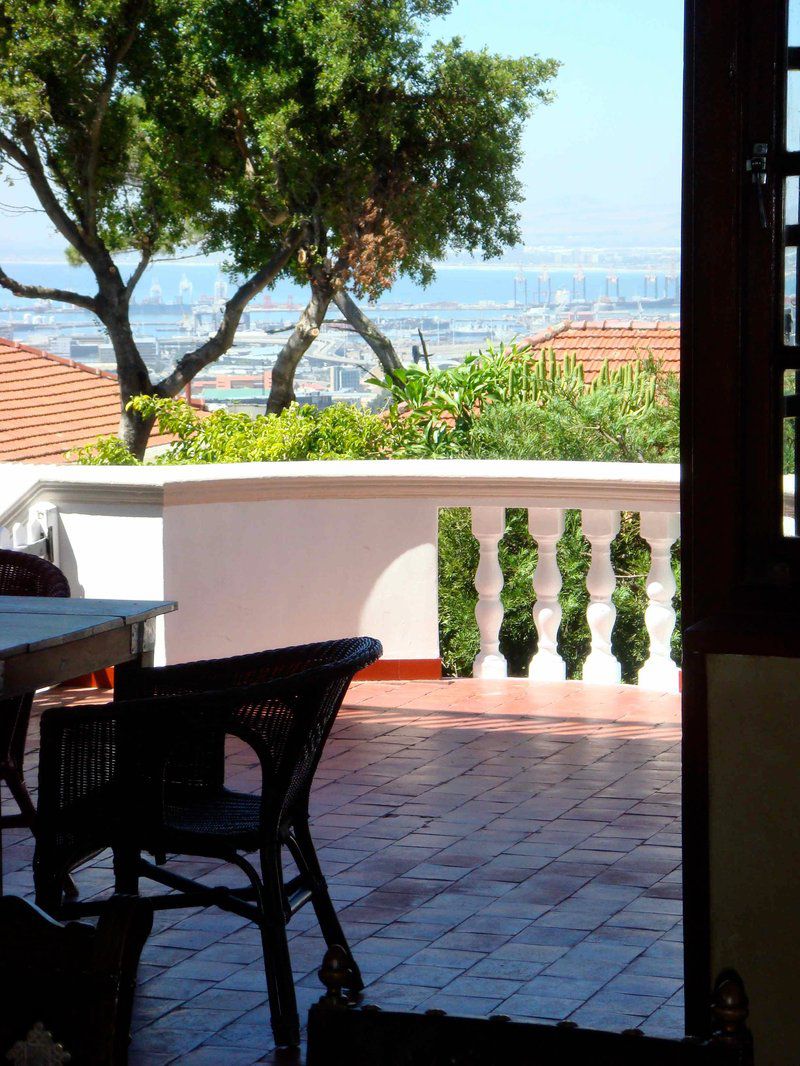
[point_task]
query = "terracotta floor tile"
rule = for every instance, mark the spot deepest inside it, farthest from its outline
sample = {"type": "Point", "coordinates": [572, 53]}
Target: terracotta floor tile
{"type": "Point", "coordinates": [491, 847]}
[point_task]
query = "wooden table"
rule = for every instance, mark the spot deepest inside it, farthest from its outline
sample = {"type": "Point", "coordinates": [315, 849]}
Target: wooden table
{"type": "Point", "coordinates": [45, 640]}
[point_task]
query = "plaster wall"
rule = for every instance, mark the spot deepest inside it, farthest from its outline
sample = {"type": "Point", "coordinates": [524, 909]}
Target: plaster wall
{"type": "Point", "coordinates": [114, 553]}
{"type": "Point", "coordinates": [265, 573]}
{"type": "Point", "coordinates": [754, 772]}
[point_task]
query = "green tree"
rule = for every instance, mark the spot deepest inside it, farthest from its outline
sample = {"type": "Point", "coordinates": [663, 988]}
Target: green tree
{"type": "Point", "coordinates": [121, 161]}
{"type": "Point", "coordinates": [394, 151]}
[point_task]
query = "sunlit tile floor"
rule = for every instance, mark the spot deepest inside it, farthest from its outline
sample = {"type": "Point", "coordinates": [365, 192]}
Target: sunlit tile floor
{"type": "Point", "coordinates": [491, 846]}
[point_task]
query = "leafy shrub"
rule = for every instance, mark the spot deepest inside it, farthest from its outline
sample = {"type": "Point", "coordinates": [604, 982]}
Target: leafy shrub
{"type": "Point", "coordinates": [436, 411]}
{"type": "Point", "coordinates": [342, 431]}
{"type": "Point", "coordinates": [597, 424]}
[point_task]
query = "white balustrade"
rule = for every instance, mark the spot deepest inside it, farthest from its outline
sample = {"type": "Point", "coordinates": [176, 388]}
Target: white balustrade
{"type": "Point", "coordinates": [660, 673]}
{"type": "Point", "coordinates": [601, 666]}
{"type": "Point", "coordinates": [345, 547]}
{"type": "Point", "coordinates": [488, 526]}
{"type": "Point", "coordinates": [546, 525]}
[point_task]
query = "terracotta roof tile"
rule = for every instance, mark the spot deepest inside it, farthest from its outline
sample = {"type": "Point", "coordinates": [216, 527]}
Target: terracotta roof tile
{"type": "Point", "coordinates": [50, 405]}
{"type": "Point", "coordinates": [594, 343]}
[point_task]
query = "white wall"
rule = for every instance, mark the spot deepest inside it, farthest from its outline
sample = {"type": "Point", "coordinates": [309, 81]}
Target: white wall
{"type": "Point", "coordinates": [259, 574]}
{"type": "Point", "coordinates": [264, 554]}
{"type": "Point", "coordinates": [114, 553]}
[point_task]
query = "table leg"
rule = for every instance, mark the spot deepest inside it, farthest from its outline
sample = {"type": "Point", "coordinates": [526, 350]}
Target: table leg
{"type": "Point", "coordinates": [142, 647]}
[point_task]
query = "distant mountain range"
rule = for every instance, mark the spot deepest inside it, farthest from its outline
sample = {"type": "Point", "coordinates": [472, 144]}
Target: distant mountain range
{"type": "Point", "coordinates": [565, 223]}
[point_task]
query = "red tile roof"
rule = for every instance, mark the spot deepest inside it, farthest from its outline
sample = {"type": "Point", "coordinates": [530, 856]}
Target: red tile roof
{"type": "Point", "coordinates": [594, 343]}
{"type": "Point", "coordinates": [49, 405]}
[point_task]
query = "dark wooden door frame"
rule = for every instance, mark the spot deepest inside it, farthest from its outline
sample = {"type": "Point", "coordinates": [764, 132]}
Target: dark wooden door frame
{"type": "Point", "coordinates": [740, 577]}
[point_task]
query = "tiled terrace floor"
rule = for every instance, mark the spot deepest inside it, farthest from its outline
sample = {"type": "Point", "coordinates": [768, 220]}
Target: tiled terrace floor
{"type": "Point", "coordinates": [493, 847]}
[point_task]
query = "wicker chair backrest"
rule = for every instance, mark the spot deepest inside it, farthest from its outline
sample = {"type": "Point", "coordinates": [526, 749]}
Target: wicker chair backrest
{"type": "Point", "coordinates": [28, 575]}
{"type": "Point", "coordinates": [199, 763]}
{"type": "Point", "coordinates": [102, 768]}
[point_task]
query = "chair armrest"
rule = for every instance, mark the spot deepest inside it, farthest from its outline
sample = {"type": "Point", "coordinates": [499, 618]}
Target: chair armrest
{"type": "Point", "coordinates": [212, 674]}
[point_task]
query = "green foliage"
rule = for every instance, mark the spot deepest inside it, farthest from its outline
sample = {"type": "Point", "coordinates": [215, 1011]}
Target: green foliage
{"type": "Point", "coordinates": [341, 431]}
{"type": "Point", "coordinates": [491, 408]}
{"type": "Point", "coordinates": [623, 414]}
{"type": "Point", "coordinates": [339, 112]}
{"type": "Point", "coordinates": [630, 416]}
{"type": "Point", "coordinates": [71, 99]}
{"type": "Point", "coordinates": [105, 451]}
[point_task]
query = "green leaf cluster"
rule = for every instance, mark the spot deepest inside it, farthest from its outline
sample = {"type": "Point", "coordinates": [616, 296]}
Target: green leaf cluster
{"type": "Point", "coordinates": [627, 414]}
{"type": "Point", "coordinates": [342, 431]}
{"type": "Point", "coordinates": [339, 114]}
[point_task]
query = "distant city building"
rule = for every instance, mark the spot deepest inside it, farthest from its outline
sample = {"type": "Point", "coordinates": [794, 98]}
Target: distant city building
{"type": "Point", "coordinates": [185, 292]}
{"type": "Point", "coordinates": [320, 400]}
{"type": "Point", "coordinates": [220, 291]}
{"type": "Point", "coordinates": [346, 377]}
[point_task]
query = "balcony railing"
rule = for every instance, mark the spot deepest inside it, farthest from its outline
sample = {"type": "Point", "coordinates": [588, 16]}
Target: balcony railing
{"type": "Point", "coordinates": [265, 554]}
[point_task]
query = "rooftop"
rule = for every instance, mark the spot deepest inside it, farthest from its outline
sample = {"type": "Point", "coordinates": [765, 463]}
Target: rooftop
{"type": "Point", "coordinates": [50, 405]}
{"type": "Point", "coordinates": [491, 847]}
{"type": "Point", "coordinates": [617, 343]}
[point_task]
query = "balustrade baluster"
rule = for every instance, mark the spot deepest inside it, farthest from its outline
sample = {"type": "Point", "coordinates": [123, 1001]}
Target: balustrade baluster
{"type": "Point", "coordinates": [489, 525]}
{"type": "Point", "coordinates": [600, 528]}
{"type": "Point", "coordinates": [660, 673]}
{"type": "Point", "coordinates": [547, 527]}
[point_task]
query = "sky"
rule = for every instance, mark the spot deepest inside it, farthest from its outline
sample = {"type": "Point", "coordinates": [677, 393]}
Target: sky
{"type": "Point", "coordinates": [601, 165]}
{"type": "Point", "coordinates": [605, 157]}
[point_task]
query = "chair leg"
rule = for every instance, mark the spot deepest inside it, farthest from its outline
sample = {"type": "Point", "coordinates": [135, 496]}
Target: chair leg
{"type": "Point", "coordinates": [48, 883]}
{"type": "Point", "coordinates": [330, 926]}
{"type": "Point", "coordinates": [18, 789]}
{"type": "Point", "coordinates": [126, 871]}
{"type": "Point", "coordinates": [277, 961]}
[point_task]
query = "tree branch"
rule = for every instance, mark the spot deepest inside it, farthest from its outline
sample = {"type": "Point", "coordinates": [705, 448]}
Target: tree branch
{"type": "Point", "coordinates": [281, 392]}
{"type": "Point", "coordinates": [30, 162]}
{"type": "Point", "coordinates": [101, 107]}
{"type": "Point", "coordinates": [136, 276]}
{"type": "Point", "coordinates": [43, 292]}
{"type": "Point", "coordinates": [193, 362]}
{"type": "Point", "coordinates": [251, 168]}
{"type": "Point", "coordinates": [375, 338]}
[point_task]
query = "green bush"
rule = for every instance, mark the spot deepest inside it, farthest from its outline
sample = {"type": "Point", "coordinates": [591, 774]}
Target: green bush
{"type": "Point", "coordinates": [497, 405]}
{"type": "Point", "coordinates": [573, 424]}
{"type": "Point", "coordinates": [342, 431]}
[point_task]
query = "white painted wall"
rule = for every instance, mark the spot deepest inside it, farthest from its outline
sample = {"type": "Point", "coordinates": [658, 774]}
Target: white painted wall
{"type": "Point", "coordinates": [259, 574]}
{"type": "Point", "coordinates": [264, 554]}
{"type": "Point", "coordinates": [114, 553]}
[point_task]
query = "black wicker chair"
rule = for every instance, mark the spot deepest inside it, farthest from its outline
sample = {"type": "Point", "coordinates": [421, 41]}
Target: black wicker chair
{"type": "Point", "coordinates": [147, 773]}
{"type": "Point", "coordinates": [21, 575]}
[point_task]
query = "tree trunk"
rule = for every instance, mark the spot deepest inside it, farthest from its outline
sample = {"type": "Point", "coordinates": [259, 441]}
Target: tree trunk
{"type": "Point", "coordinates": [281, 393]}
{"type": "Point", "coordinates": [134, 432]}
{"type": "Point", "coordinates": [378, 341]}
{"type": "Point", "coordinates": [133, 376]}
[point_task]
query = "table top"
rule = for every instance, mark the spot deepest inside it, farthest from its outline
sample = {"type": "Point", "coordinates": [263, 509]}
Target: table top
{"type": "Point", "coordinates": [31, 623]}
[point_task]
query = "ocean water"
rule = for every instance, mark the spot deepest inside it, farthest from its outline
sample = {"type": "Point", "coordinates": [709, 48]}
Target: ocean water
{"type": "Point", "coordinates": [453, 284]}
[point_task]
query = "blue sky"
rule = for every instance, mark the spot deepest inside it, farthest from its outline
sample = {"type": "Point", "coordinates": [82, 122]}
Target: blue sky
{"type": "Point", "coordinates": [601, 165]}
{"type": "Point", "coordinates": [607, 152]}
